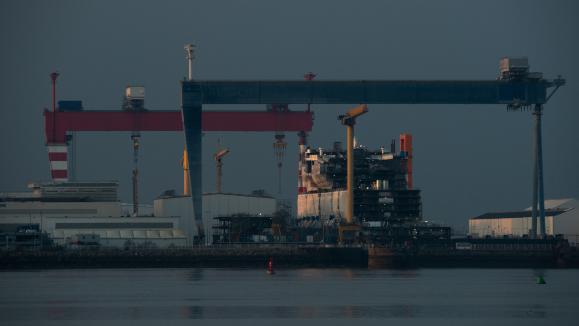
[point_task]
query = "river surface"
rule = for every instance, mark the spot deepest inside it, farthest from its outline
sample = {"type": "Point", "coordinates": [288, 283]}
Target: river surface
{"type": "Point", "coordinates": [290, 297]}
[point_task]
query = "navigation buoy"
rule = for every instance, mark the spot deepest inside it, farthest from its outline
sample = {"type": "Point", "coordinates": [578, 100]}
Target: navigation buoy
{"type": "Point", "coordinates": [541, 280]}
{"type": "Point", "coordinates": [270, 266]}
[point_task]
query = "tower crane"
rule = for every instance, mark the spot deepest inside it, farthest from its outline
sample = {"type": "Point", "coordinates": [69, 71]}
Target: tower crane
{"type": "Point", "coordinates": [218, 156]}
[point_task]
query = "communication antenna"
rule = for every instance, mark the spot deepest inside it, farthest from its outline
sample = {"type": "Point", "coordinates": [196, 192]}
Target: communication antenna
{"type": "Point", "coordinates": [190, 55]}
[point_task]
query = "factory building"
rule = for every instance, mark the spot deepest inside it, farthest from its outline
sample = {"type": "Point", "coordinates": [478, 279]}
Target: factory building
{"type": "Point", "coordinates": [561, 217]}
{"type": "Point", "coordinates": [72, 211]}
{"type": "Point", "coordinates": [67, 212]}
{"type": "Point", "coordinates": [215, 205]}
{"type": "Point", "coordinates": [382, 193]}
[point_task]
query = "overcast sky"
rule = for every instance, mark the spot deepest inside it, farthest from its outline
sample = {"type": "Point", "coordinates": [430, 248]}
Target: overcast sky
{"type": "Point", "coordinates": [468, 159]}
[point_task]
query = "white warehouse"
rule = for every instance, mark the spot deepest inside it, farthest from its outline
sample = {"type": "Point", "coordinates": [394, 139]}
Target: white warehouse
{"type": "Point", "coordinates": [561, 217]}
{"type": "Point", "coordinates": [64, 220]}
{"type": "Point", "coordinates": [66, 211]}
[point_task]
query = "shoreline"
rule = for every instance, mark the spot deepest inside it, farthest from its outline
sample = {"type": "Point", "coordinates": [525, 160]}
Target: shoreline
{"type": "Point", "coordinates": [286, 257]}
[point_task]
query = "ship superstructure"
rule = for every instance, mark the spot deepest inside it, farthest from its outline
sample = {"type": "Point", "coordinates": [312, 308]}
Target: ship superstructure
{"type": "Point", "coordinates": [382, 195]}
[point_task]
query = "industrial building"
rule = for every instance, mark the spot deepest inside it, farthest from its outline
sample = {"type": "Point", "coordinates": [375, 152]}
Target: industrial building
{"type": "Point", "coordinates": [67, 212]}
{"type": "Point", "coordinates": [383, 194]}
{"type": "Point", "coordinates": [561, 218]}
{"type": "Point", "coordinates": [215, 205]}
{"type": "Point", "coordinates": [243, 229]}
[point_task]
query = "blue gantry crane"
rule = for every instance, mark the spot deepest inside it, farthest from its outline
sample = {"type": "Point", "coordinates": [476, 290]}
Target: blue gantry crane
{"type": "Point", "coordinates": [516, 87]}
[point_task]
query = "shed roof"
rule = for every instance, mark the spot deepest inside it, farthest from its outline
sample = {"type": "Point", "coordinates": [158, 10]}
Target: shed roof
{"type": "Point", "coordinates": [516, 214]}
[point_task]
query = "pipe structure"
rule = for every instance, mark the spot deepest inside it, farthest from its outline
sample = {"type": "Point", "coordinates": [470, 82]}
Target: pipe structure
{"type": "Point", "coordinates": [349, 120]}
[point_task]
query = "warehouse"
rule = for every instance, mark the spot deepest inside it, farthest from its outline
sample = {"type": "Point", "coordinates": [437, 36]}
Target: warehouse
{"type": "Point", "coordinates": [561, 217]}
{"type": "Point", "coordinates": [66, 212]}
{"type": "Point", "coordinates": [69, 211]}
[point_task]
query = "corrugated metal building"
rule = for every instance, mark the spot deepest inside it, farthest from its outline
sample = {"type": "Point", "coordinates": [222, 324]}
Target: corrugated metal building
{"type": "Point", "coordinates": [561, 217]}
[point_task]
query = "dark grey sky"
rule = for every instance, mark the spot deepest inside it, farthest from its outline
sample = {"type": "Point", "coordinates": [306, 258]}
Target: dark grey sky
{"type": "Point", "coordinates": [468, 159]}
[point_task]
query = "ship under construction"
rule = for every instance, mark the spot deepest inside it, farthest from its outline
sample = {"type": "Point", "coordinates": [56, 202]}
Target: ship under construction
{"type": "Point", "coordinates": [383, 192]}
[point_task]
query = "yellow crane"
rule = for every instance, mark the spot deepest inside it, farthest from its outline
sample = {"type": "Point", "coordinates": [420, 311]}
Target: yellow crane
{"type": "Point", "coordinates": [218, 160]}
{"type": "Point", "coordinates": [185, 165]}
{"type": "Point", "coordinates": [350, 228]}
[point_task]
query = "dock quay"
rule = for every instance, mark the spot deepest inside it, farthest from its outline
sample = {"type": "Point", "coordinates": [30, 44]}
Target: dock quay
{"type": "Point", "coordinates": [294, 256]}
{"type": "Point", "coordinates": [215, 256]}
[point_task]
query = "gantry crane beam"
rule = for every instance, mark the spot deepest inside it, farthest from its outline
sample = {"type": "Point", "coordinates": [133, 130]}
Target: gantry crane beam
{"type": "Point", "coordinates": [524, 92]}
{"type": "Point", "coordinates": [515, 93]}
{"type": "Point", "coordinates": [251, 121]}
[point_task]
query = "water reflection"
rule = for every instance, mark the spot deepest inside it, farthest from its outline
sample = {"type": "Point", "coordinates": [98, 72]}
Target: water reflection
{"type": "Point", "coordinates": [405, 273]}
{"type": "Point", "coordinates": [306, 294]}
{"type": "Point", "coordinates": [135, 313]}
{"type": "Point", "coordinates": [195, 275]}
{"type": "Point", "coordinates": [281, 312]}
{"type": "Point", "coordinates": [191, 312]}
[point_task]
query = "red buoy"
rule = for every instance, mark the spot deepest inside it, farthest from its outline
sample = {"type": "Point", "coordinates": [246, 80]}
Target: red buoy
{"type": "Point", "coordinates": [270, 266]}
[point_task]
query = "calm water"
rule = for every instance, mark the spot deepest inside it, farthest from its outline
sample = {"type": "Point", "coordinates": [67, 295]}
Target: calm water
{"type": "Point", "coordinates": [290, 297]}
